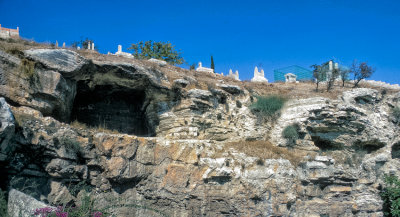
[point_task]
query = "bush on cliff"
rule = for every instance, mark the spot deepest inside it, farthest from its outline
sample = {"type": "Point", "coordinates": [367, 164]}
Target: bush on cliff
{"type": "Point", "coordinates": [3, 204]}
{"type": "Point", "coordinates": [291, 133]}
{"type": "Point", "coordinates": [391, 196]}
{"type": "Point", "coordinates": [268, 106]}
{"type": "Point", "coordinates": [396, 114]}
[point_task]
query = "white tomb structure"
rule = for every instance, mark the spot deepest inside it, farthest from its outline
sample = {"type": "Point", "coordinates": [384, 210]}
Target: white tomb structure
{"type": "Point", "coordinates": [331, 66]}
{"type": "Point", "coordinates": [290, 78]}
{"type": "Point", "coordinates": [121, 53]}
{"type": "Point", "coordinates": [234, 75]}
{"type": "Point", "coordinates": [159, 62]}
{"type": "Point", "coordinates": [204, 69]}
{"type": "Point", "coordinates": [258, 76]}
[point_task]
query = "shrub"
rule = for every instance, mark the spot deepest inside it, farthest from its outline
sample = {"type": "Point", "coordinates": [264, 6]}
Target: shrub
{"type": "Point", "coordinates": [86, 208]}
{"type": "Point", "coordinates": [71, 144]}
{"type": "Point", "coordinates": [396, 114]}
{"type": "Point", "coordinates": [291, 132]}
{"type": "Point", "coordinates": [3, 204]}
{"type": "Point", "coordinates": [391, 196]}
{"type": "Point", "coordinates": [28, 67]}
{"type": "Point", "coordinates": [268, 106]}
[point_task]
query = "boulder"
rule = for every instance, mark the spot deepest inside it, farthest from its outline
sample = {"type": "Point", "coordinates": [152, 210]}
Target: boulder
{"type": "Point", "coordinates": [7, 129]}
{"type": "Point", "coordinates": [23, 205]}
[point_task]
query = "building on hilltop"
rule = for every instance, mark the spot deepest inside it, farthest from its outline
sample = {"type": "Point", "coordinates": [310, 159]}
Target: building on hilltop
{"type": "Point", "coordinates": [204, 69]}
{"type": "Point", "coordinates": [121, 53]}
{"type": "Point", "coordinates": [301, 73]}
{"type": "Point", "coordinates": [258, 76]}
{"type": "Point", "coordinates": [9, 33]}
{"type": "Point", "coordinates": [234, 75]}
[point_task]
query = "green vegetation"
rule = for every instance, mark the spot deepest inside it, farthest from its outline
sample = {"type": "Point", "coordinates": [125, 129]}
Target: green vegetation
{"type": "Point", "coordinates": [157, 50]}
{"type": "Point", "coordinates": [71, 144]}
{"type": "Point", "coordinates": [3, 204]}
{"type": "Point", "coordinates": [268, 106]}
{"type": "Point", "coordinates": [391, 196]}
{"type": "Point", "coordinates": [27, 67]}
{"type": "Point", "coordinates": [319, 74]}
{"type": "Point", "coordinates": [291, 132]}
{"type": "Point", "coordinates": [396, 114]}
{"type": "Point", "coordinates": [360, 71]}
{"type": "Point", "coordinates": [212, 63]}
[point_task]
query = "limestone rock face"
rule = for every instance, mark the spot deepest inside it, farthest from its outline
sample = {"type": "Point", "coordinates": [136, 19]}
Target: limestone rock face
{"type": "Point", "coordinates": [158, 148]}
{"type": "Point", "coordinates": [7, 129]}
{"type": "Point", "coordinates": [20, 204]}
{"type": "Point", "coordinates": [60, 60]}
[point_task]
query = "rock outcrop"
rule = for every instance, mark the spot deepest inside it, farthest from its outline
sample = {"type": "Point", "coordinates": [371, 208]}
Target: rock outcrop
{"type": "Point", "coordinates": [147, 147]}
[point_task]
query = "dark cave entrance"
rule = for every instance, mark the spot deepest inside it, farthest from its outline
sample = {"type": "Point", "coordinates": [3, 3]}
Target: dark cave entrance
{"type": "Point", "coordinates": [112, 108]}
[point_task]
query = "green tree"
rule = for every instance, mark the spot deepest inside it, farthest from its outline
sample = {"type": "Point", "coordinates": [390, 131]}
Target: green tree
{"type": "Point", "coordinates": [391, 196]}
{"type": "Point", "coordinates": [319, 74]}
{"type": "Point", "coordinates": [192, 67]}
{"type": "Point", "coordinates": [344, 75]}
{"type": "Point", "coordinates": [212, 63]}
{"type": "Point", "coordinates": [332, 77]}
{"type": "Point", "coordinates": [83, 43]}
{"type": "Point", "coordinates": [157, 50]}
{"type": "Point", "coordinates": [360, 71]}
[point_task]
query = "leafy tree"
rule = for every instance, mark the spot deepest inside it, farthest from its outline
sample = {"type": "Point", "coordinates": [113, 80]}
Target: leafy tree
{"type": "Point", "coordinates": [193, 66]}
{"type": "Point", "coordinates": [212, 63]}
{"type": "Point", "coordinates": [319, 74]}
{"type": "Point", "coordinates": [83, 43]}
{"type": "Point", "coordinates": [391, 196]}
{"type": "Point", "coordinates": [157, 50]}
{"type": "Point", "coordinates": [344, 75]}
{"type": "Point", "coordinates": [360, 71]}
{"type": "Point", "coordinates": [332, 77]}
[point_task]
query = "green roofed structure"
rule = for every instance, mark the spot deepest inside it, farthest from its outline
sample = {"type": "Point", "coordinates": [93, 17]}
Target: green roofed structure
{"type": "Point", "coordinates": [302, 74]}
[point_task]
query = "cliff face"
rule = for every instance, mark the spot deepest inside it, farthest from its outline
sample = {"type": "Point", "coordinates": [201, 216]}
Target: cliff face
{"type": "Point", "coordinates": [133, 136]}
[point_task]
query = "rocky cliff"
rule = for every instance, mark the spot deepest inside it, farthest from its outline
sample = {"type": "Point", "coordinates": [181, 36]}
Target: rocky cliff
{"type": "Point", "coordinates": [159, 141]}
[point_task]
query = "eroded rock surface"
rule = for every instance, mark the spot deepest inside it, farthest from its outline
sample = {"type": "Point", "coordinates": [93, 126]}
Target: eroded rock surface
{"type": "Point", "coordinates": [172, 154]}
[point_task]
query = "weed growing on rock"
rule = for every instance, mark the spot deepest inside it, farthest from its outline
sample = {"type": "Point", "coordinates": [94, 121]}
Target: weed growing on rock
{"type": "Point", "coordinates": [291, 133]}
{"type": "Point", "coordinates": [71, 144]}
{"type": "Point", "coordinates": [391, 196]}
{"type": "Point", "coordinates": [268, 106]}
{"type": "Point", "coordinates": [396, 114]}
{"type": "Point", "coordinates": [3, 204]}
{"type": "Point", "coordinates": [28, 67]}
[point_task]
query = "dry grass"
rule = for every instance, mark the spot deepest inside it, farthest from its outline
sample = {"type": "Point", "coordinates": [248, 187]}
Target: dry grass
{"type": "Point", "coordinates": [267, 150]}
{"type": "Point", "coordinates": [78, 125]}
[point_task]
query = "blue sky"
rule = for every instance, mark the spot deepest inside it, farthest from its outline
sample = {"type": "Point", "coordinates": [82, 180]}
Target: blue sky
{"type": "Point", "coordinates": [239, 34]}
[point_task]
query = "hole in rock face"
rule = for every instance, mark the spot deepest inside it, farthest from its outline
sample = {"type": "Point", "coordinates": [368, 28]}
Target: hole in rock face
{"type": "Point", "coordinates": [396, 150]}
{"type": "Point", "coordinates": [112, 108]}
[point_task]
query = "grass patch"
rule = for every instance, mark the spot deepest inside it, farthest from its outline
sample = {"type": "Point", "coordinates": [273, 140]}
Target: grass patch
{"type": "Point", "coordinates": [266, 150]}
{"type": "Point", "coordinates": [27, 67]}
{"type": "Point", "coordinates": [268, 106]}
{"type": "Point", "coordinates": [396, 114]}
{"type": "Point", "coordinates": [100, 128]}
{"type": "Point", "coordinates": [3, 204]}
{"type": "Point", "coordinates": [71, 144]}
{"type": "Point", "coordinates": [291, 133]}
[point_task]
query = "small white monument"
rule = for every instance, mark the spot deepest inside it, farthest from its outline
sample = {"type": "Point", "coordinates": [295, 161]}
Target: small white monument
{"type": "Point", "coordinates": [121, 53]}
{"type": "Point", "coordinates": [204, 69]}
{"type": "Point", "coordinates": [159, 62]}
{"type": "Point", "coordinates": [78, 48]}
{"type": "Point", "coordinates": [234, 75]}
{"type": "Point", "coordinates": [258, 76]}
{"type": "Point", "coordinates": [56, 43]}
{"type": "Point", "coordinates": [93, 46]}
{"type": "Point", "coordinates": [290, 78]}
{"type": "Point", "coordinates": [63, 44]}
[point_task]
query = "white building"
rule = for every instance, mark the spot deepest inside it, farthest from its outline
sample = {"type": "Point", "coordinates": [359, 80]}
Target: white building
{"type": "Point", "coordinates": [258, 76]}
{"type": "Point", "coordinates": [204, 69]}
{"type": "Point", "coordinates": [121, 53]}
{"type": "Point", "coordinates": [290, 78]}
{"type": "Point", "coordinates": [234, 75]}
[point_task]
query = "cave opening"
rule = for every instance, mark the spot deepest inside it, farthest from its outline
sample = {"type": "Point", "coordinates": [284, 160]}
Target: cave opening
{"type": "Point", "coordinates": [112, 108]}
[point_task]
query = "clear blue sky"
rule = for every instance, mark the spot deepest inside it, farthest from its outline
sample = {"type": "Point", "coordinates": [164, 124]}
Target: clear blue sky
{"type": "Point", "coordinates": [239, 34]}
